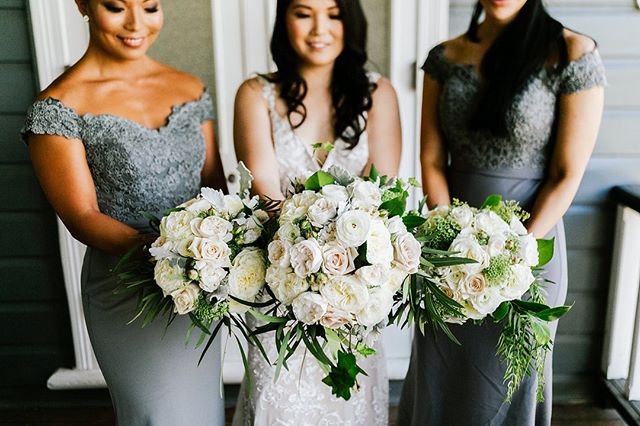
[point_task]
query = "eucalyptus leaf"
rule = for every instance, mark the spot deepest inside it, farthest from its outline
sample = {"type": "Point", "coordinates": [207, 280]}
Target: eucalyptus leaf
{"type": "Point", "coordinates": [545, 251]}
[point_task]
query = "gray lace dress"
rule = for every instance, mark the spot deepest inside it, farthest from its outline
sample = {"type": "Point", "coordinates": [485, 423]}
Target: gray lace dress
{"type": "Point", "coordinates": [153, 377]}
{"type": "Point", "coordinates": [462, 385]}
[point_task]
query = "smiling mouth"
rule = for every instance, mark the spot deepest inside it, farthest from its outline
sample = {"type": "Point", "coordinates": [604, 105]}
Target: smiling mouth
{"type": "Point", "coordinates": [318, 45]}
{"type": "Point", "coordinates": [132, 41]}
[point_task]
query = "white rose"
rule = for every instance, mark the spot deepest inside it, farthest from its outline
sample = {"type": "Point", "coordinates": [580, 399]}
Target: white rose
{"type": "Point", "coordinates": [486, 302]}
{"type": "Point", "coordinates": [529, 250]}
{"type": "Point", "coordinates": [177, 225]}
{"type": "Point", "coordinates": [278, 253]}
{"type": "Point", "coordinates": [345, 293]}
{"type": "Point", "coordinates": [196, 205]}
{"type": "Point", "coordinates": [373, 275]}
{"type": "Point", "coordinates": [306, 257]}
{"type": "Point", "coordinates": [183, 247]}
{"type": "Point", "coordinates": [395, 225]}
{"type": "Point", "coordinates": [276, 276]}
{"type": "Point", "coordinates": [326, 234]}
{"type": "Point", "coordinates": [496, 246]}
{"type": "Point", "coordinates": [288, 232]}
{"type": "Point", "coordinates": [396, 279]}
{"type": "Point", "coordinates": [321, 212]}
{"type": "Point", "coordinates": [247, 274]}
{"type": "Point", "coordinates": [518, 282]}
{"type": "Point", "coordinates": [379, 248]}
{"type": "Point", "coordinates": [335, 318]}
{"type": "Point", "coordinates": [474, 284]}
{"type": "Point", "coordinates": [467, 246]}
{"type": "Point", "coordinates": [407, 252]}
{"type": "Point", "coordinates": [455, 278]}
{"type": "Point", "coordinates": [352, 228]}
{"type": "Point", "coordinates": [489, 222]}
{"type": "Point", "coordinates": [169, 275]}
{"type": "Point", "coordinates": [297, 206]}
{"type": "Point", "coordinates": [210, 275]}
{"type": "Point", "coordinates": [233, 204]}
{"type": "Point", "coordinates": [288, 287]}
{"type": "Point", "coordinates": [335, 193]}
{"type": "Point", "coordinates": [185, 298]}
{"type": "Point", "coordinates": [517, 226]}
{"type": "Point", "coordinates": [215, 251]}
{"type": "Point", "coordinates": [212, 227]}
{"type": "Point", "coordinates": [309, 307]}
{"type": "Point", "coordinates": [338, 260]}
{"type": "Point", "coordinates": [365, 195]}
{"type": "Point", "coordinates": [462, 215]}
{"type": "Point", "coordinates": [377, 308]}
{"type": "Point", "coordinates": [438, 211]}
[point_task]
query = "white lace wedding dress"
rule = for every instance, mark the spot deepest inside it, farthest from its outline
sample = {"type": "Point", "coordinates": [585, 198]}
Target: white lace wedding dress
{"type": "Point", "coordinates": [299, 398]}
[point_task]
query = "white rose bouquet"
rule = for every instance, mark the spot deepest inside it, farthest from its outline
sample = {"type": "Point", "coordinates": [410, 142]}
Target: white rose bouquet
{"type": "Point", "coordinates": [500, 278]}
{"type": "Point", "coordinates": [205, 263]}
{"type": "Point", "coordinates": [339, 255]}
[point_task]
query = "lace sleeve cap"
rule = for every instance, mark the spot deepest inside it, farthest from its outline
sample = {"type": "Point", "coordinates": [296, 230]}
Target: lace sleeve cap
{"type": "Point", "coordinates": [583, 73]}
{"type": "Point", "coordinates": [436, 64]}
{"type": "Point", "coordinates": [51, 117]}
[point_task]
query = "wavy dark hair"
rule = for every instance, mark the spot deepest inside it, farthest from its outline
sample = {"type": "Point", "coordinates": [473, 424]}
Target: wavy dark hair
{"type": "Point", "coordinates": [350, 87]}
{"type": "Point", "coordinates": [522, 49]}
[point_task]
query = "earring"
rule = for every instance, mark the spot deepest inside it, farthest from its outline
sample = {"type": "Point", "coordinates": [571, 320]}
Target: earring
{"type": "Point", "coordinates": [85, 18]}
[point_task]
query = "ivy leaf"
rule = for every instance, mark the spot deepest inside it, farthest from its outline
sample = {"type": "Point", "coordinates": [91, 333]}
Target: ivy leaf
{"type": "Point", "coordinates": [342, 377]}
{"type": "Point", "coordinates": [373, 174]}
{"type": "Point", "coordinates": [491, 201]}
{"type": "Point", "coordinates": [413, 221]}
{"type": "Point", "coordinates": [545, 251]}
{"type": "Point", "coordinates": [395, 206]}
{"type": "Point", "coordinates": [317, 180]}
{"type": "Point", "coordinates": [502, 311]}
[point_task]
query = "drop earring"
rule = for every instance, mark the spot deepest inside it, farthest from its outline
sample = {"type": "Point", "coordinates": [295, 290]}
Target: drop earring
{"type": "Point", "coordinates": [85, 18]}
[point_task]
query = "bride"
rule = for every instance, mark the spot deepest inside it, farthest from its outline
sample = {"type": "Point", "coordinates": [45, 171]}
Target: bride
{"type": "Point", "coordinates": [321, 92]}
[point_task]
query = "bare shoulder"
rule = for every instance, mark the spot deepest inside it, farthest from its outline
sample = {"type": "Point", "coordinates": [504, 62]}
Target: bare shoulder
{"type": "Point", "coordinates": [578, 44]}
{"type": "Point", "coordinates": [67, 88]}
{"type": "Point", "coordinates": [250, 92]}
{"type": "Point", "coordinates": [455, 49]}
{"type": "Point", "coordinates": [187, 86]}
{"type": "Point", "coordinates": [384, 90]}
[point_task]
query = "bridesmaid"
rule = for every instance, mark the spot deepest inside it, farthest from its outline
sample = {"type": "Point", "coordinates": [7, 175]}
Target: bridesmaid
{"type": "Point", "coordinates": [116, 134]}
{"type": "Point", "coordinates": [321, 92]}
{"type": "Point", "coordinates": [512, 107]}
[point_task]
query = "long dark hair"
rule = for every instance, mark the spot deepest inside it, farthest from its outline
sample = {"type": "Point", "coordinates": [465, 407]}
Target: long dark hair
{"type": "Point", "coordinates": [350, 87]}
{"type": "Point", "coordinates": [522, 49]}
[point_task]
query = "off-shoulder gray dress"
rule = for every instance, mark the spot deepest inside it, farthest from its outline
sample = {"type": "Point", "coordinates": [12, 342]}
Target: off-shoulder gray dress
{"type": "Point", "coordinates": [152, 375]}
{"type": "Point", "coordinates": [462, 385]}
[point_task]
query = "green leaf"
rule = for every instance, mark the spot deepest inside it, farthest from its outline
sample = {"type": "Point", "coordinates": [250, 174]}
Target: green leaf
{"type": "Point", "coordinates": [553, 314]}
{"type": "Point", "coordinates": [373, 173]}
{"type": "Point", "coordinates": [531, 307]}
{"type": "Point", "coordinates": [540, 332]}
{"type": "Point", "coordinates": [491, 201]}
{"type": "Point", "coordinates": [414, 182]}
{"type": "Point", "coordinates": [317, 180]}
{"type": "Point", "coordinates": [451, 261]}
{"type": "Point", "coordinates": [342, 377]}
{"type": "Point", "coordinates": [267, 318]}
{"type": "Point", "coordinates": [502, 311]}
{"type": "Point", "coordinates": [395, 206]}
{"type": "Point", "coordinates": [281, 354]}
{"type": "Point", "coordinates": [413, 221]}
{"type": "Point", "coordinates": [545, 251]}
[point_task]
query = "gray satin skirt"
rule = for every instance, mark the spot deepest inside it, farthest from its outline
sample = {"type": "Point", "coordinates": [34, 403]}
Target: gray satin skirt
{"type": "Point", "coordinates": [456, 385]}
{"type": "Point", "coordinates": [152, 375]}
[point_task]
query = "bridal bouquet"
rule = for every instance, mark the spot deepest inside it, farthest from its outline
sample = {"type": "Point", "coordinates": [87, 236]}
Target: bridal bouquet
{"type": "Point", "coordinates": [205, 263]}
{"type": "Point", "coordinates": [340, 253]}
{"type": "Point", "coordinates": [503, 281]}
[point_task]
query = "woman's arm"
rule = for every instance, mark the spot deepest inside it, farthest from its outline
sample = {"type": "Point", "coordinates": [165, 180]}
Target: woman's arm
{"type": "Point", "coordinates": [579, 118]}
{"type": "Point", "coordinates": [61, 167]}
{"type": "Point", "coordinates": [253, 141]}
{"type": "Point", "coordinates": [433, 153]}
{"type": "Point", "coordinates": [212, 171]}
{"type": "Point", "coordinates": [383, 129]}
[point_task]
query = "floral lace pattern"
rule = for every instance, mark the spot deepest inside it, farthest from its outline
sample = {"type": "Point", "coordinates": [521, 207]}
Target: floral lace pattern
{"type": "Point", "coordinates": [529, 121]}
{"type": "Point", "coordinates": [299, 398]}
{"type": "Point", "coordinates": [134, 168]}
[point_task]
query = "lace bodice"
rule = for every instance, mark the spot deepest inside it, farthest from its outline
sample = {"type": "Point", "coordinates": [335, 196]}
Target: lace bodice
{"type": "Point", "coordinates": [295, 156]}
{"type": "Point", "coordinates": [529, 121]}
{"type": "Point", "coordinates": [134, 168]}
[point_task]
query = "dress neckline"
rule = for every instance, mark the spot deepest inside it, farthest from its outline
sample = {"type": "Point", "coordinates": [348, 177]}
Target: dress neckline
{"type": "Point", "coordinates": [175, 109]}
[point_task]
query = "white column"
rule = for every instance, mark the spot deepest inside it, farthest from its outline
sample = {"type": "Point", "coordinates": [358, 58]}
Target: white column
{"type": "Point", "coordinates": [623, 297]}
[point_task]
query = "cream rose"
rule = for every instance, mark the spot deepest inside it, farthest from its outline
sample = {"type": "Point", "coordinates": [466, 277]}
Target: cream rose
{"type": "Point", "coordinates": [177, 225]}
{"type": "Point", "coordinates": [338, 260]}
{"type": "Point", "coordinates": [490, 223]}
{"type": "Point", "coordinates": [518, 282]}
{"type": "Point", "coordinates": [247, 274]}
{"type": "Point", "coordinates": [377, 308]}
{"type": "Point", "coordinates": [345, 293]}
{"type": "Point", "coordinates": [497, 244]}
{"type": "Point", "coordinates": [474, 284]}
{"type": "Point", "coordinates": [210, 275]}
{"type": "Point", "coordinates": [335, 318]}
{"type": "Point", "coordinates": [395, 225]}
{"type": "Point", "coordinates": [407, 251]}
{"type": "Point", "coordinates": [288, 232]}
{"type": "Point", "coordinates": [321, 212]}
{"type": "Point", "coordinates": [529, 250]}
{"type": "Point", "coordinates": [517, 226]}
{"type": "Point", "coordinates": [212, 227]}
{"type": "Point", "coordinates": [396, 279]}
{"type": "Point", "coordinates": [290, 286]}
{"type": "Point", "coordinates": [336, 193]}
{"type": "Point", "coordinates": [352, 228]}
{"type": "Point", "coordinates": [486, 302]}
{"type": "Point", "coordinates": [467, 246]}
{"type": "Point", "coordinates": [306, 257]}
{"type": "Point", "coordinates": [373, 275]}
{"type": "Point", "coordinates": [215, 251]}
{"type": "Point", "coordinates": [379, 247]}
{"type": "Point", "coordinates": [185, 298]}
{"type": "Point", "coordinates": [196, 205]}
{"type": "Point", "coordinates": [462, 215]}
{"type": "Point", "coordinates": [297, 206]}
{"type": "Point", "coordinates": [169, 275]}
{"type": "Point", "coordinates": [365, 195]}
{"type": "Point", "coordinates": [278, 252]}
{"type": "Point", "coordinates": [233, 204]}
{"type": "Point", "coordinates": [309, 307]}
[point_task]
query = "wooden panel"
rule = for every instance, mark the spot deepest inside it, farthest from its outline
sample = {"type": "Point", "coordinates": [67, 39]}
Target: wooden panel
{"type": "Point", "coordinates": [604, 173]}
{"type": "Point", "coordinates": [619, 133]}
{"type": "Point", "coordinates": [17, 180]}
{"type": "Point", "coordinates": [31, 279]}
{"type": "Point", "coordinates": [13, 150]}
{"type": "Point", "coordinates": [623, 90]}
{"type": "Point", "coordinates": [12, 4]}
{"type": "Point", "coordinates": [14, 35]}
{"type": "Point", "coordinates": [28, 234]}
{"type": "Point", "coordinates": [576, 354]}
{"type": "Point", "coordinates": [32, 365]}
{"type": "Point", "coordinates": [34, 323]}
{"type": "Point", "coordinates": [16, 87]}
{"type": "Point", "coordinates": [588, 269]}
{"type": "Point", "coordinates": [589, 227]}
{"type": "Point", "coordinates": [586, 316]}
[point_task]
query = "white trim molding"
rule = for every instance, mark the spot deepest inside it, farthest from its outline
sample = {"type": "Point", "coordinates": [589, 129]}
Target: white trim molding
{"type": "Point", "coordinates": [52, 23]}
